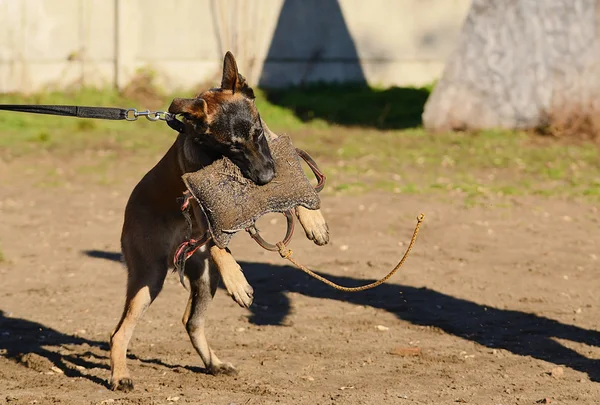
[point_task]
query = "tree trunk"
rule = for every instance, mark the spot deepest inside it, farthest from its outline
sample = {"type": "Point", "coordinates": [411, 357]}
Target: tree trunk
{"type": "Point", "coordinates": [521, 64]}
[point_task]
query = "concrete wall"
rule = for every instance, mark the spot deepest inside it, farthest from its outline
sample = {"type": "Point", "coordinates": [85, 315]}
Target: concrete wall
{"type": "Point", "coordinates": [60, 43]}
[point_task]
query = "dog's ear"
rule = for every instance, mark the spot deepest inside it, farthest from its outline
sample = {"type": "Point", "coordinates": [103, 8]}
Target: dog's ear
{"type": "Point", "coordinates": [191, 108]}
{"type": "Point", "coordinates": [230, 73]}
{"type": "Point", "coordinates": [232, 79]}
{"type": "Point", "coordinates": [194, 110]}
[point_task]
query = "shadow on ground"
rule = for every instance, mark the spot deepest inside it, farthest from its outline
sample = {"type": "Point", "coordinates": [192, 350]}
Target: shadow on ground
{"type": "Point", "coordinates": [39, 348]}
{"type": "Point", "coordinates": [20, 338]}
{"type": "Point", "coordinates": [519, 332]}
{"type": "Point", "coordinates": [354, 104]}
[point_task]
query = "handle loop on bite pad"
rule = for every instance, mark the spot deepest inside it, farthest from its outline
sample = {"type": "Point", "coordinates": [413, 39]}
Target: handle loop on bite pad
{"type": "Point", "coordinates": [314, 167]}
{"type": "Point", "coordinates": [254, 233]}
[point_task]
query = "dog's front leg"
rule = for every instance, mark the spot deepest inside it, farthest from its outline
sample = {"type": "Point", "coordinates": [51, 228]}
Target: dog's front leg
{"type": "Point", "coordinates": [314, 225]}
{"type": "Point", "coordinates": [231, 273]}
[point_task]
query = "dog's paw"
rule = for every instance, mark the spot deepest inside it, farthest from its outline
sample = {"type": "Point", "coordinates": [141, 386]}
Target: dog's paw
{"type": "Point", "coordinates": [237, 286]}
{"type": "Point", "coordinates": [314, 225]}
{"type": "Point", "coordinates": [243, 294]}
{"type": "Point", "coordinates": [231, 273]}
{"type": "Point", "coordinates": [223, 369]}
{"type": "Point", "coordinates": [123, 384]}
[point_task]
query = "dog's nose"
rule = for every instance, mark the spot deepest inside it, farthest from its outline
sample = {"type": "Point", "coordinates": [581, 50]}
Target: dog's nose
{"type": "Point", "coordinates": [265, 175]}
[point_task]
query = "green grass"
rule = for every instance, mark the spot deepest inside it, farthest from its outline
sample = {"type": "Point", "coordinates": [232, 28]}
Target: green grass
{"type": "Point", "coordinates": [342, 128]}
{"type": "Point", "coordinates": [491, 163]}
{"type": "Point", "coordinates": [24, 133]}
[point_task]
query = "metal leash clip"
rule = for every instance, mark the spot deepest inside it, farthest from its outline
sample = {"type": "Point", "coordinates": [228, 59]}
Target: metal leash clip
{"type": "Point", "coordinates": [132, 114]}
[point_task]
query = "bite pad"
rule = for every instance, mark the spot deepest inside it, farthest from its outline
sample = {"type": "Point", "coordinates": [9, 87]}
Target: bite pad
{"type": "Point", "coordinates": [232, 202]}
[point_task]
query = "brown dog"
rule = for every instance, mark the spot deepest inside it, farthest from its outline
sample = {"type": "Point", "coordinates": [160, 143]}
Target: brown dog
{"type": "Point", "coordinates": [219, 122]}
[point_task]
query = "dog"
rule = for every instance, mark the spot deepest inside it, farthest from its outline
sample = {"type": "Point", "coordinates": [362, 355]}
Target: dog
{"type": "Point", "coordinates": [219, 122]}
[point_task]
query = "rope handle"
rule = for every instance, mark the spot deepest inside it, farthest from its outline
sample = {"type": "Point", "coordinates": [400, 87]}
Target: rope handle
{"type": "Point", "coordinates": [286, 253]}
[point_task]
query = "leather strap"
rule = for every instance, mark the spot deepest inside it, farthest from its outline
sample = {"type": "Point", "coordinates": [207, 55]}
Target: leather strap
{"type": "Point", "coordinates": [107, 113]}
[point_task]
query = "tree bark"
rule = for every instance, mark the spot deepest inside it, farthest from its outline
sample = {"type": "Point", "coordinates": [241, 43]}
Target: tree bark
{"type": "Point", "coordinates": [520, 64]}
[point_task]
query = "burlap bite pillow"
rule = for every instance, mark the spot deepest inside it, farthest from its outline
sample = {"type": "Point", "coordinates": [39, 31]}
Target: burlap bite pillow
{"type": "Point", "coordinates": [231, 202]}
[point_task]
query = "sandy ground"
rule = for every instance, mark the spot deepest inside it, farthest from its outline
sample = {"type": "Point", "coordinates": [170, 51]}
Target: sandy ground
{"type": "Point", "coordinates": [498, 304]}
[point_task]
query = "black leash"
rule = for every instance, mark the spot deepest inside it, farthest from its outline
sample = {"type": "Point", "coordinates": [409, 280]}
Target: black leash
{"type": "Point", "coordinates": [104, 113]}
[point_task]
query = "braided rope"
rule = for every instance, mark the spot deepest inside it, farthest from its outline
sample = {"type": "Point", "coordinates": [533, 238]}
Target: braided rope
{"type": "Point", "coordinates": [286, 253]}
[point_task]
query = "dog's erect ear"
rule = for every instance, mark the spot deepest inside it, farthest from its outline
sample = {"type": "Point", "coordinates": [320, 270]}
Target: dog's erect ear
{"type": "Point", "coordinates": [232, 79]}
{"type": "Point", "coordinates": [230, 73]}
{"type": "Point", "coordinates": [194, 108]}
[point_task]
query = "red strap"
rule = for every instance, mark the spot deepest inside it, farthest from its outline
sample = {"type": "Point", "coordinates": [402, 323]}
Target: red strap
{"type": "Point", "coordinates": [189, 253]}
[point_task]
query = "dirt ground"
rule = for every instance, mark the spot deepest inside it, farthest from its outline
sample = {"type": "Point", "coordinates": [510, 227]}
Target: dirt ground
{"type": "Point", "coordinates": [498, 304]}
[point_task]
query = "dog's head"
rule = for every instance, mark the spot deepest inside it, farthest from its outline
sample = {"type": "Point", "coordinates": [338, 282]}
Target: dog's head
{"type": "Point", "coordinates": [226, 121]}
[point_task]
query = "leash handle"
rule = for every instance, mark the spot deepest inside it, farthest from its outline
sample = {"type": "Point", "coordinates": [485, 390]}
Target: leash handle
{"type": "Point", "coordinates": [107, 113]}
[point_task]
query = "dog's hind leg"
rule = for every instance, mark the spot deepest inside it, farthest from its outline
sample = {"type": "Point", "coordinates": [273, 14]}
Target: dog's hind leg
{"type": "Point", "coordinates": [204, 278]}
{"type": "Point", "coordinates": [144, 282]}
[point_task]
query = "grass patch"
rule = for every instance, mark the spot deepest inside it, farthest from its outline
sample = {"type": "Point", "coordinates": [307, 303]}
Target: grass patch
{"type": "Point", "coordinates": [24, 133]}
{"type": "Point", "coordinates": [474, 166]}
{"type": "Point", "coordinates": [357, 157]}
